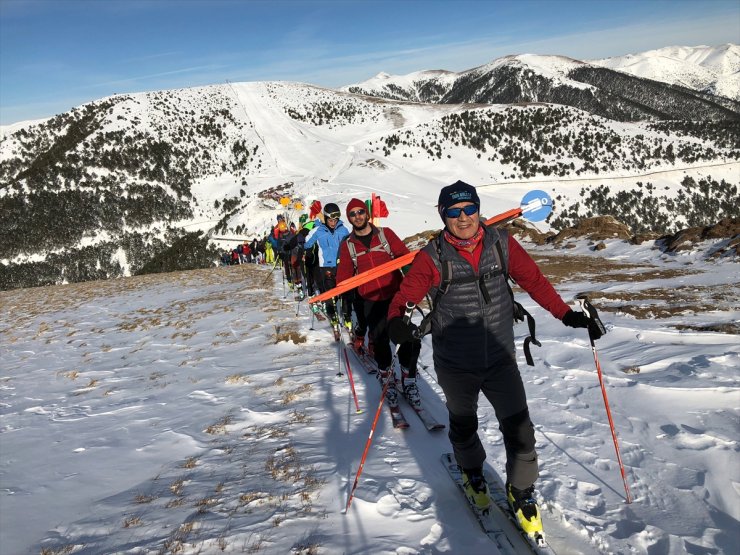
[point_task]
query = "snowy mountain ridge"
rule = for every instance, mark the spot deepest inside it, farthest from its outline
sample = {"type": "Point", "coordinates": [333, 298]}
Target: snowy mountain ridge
{"type": "Point", "coordinates": [706, 70]}
{"type": "Point", "coordinates": [712, 69]}
{"type": "Point", "coordinates": [101, 190]}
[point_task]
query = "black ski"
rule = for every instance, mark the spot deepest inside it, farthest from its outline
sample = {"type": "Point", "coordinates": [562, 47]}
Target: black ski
{"type": "Point", "coordinates": [430, 423]}
{"type": "Point", "coordinates": [397, 417]}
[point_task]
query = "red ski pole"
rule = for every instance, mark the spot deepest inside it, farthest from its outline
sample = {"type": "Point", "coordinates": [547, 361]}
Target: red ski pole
{"type": "Point", "coordinates": [589, 310]}
{"type": "Point", "coordinates": [351, 380]}
{"type": "Point", "coordinates": [407, 318]}
{"type": "Point", "coordinates": [367, 446]}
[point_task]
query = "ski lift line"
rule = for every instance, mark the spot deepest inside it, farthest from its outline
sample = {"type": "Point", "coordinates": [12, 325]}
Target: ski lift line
{"type": "Point", "coordinates": [199, 223]}
{"type": "Point", "coordinates": [372, 188]}
{"type": "Point", "coordinates": [593, 178]}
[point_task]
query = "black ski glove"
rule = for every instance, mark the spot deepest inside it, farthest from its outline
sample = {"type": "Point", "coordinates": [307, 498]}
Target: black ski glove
{"type": "Point", "coordinates": [402, 332]}
{"type": "Point", "coordinates": [574, 319]}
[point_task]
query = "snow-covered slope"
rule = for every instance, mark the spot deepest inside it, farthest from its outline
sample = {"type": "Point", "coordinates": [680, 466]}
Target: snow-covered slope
{"type": "Point", "coordinates": [713, 69]}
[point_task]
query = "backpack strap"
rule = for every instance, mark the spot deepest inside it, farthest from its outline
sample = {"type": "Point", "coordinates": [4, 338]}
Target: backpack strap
{"type": "Point", "coordinates": [384, 245]}
{"type": "Point", "coordinates": [445, 280]}
{"type": "Point", "coordinates": [384, 242]}
{"type": "Point", "coordinates": [353, 254]}
{"type": "Point", "coordinates": [519, 311]}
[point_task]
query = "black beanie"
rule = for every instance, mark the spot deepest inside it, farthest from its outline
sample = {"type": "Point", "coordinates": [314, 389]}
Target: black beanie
{"type": "Point", "coordinates": [457, 192]}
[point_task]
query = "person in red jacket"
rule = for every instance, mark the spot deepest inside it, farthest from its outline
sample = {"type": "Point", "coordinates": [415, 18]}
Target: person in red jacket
{"type": "Point", "coordinates": [368, 247]}
{"type": "Point", "coordinates": [473, 340]}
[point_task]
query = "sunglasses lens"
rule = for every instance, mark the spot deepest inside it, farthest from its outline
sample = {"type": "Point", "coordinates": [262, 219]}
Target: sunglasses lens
{"type": "Point", "coordinates": [356, 213]}
{"type": "Point", "coordinates": [455, 212]}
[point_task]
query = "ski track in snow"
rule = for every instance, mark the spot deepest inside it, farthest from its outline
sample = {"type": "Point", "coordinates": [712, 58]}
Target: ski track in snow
{"type": "Point", "coordinates": [163, 414]}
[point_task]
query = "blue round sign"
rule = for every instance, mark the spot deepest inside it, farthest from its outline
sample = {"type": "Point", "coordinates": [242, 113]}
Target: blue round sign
{"type": "Point", "coordinates": [536, 206]}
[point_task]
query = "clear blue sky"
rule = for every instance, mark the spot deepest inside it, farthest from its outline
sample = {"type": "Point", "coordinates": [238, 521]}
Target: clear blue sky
{"type": "Point", "coordinates": [56, 54]}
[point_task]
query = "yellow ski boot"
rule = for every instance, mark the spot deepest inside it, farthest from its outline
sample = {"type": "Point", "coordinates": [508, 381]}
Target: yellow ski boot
{"type": "Point", "coordinates": [524, 506]}
{"type": "Point", "coordinates": [476, 489]}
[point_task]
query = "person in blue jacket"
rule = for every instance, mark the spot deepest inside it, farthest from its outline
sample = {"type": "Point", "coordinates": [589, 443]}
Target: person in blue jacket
{"type": "Point", "coordinates": [329, 234]}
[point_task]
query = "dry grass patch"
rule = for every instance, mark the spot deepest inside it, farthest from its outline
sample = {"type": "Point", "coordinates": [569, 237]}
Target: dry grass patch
{"type": "Point", "coordinates": [732, 328]}
{"type": "Point", "coordinates": [564, 268]}
{"type": "Point", "coordinates": [287, 333]}
{"type": "Point", "coordinates": [177, 486]}
{"type": "Point", "coordinates": [64, 550]}
{"type": "Point", "coordinates": [237, 379]}
{"type": "Point", "coordinates": [266, 432]}
{"type": "Point", "coordinates": [299, 418]}
{"type": "Point", "coordinates": [219, 427]}
{"type": "Point", "coordinates": [655, 303]}
{"type": "Point", "coordinates": [254, 496]}
{"type": "Point", "coordinates": [290, 396]}
{"type": "Point", "coordinates": [132, 521]}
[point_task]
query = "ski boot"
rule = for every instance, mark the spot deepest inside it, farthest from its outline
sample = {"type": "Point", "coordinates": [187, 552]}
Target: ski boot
{"type": "Point", "coordinates": [335, 326]}
{"type": "Point", "coordinates": [391, 394]}
{"type": "Point", "coordinates": [476, 489]}
{"type": "Point", "coordinates": [525, 509]}
{"type": "Point", "coordinates": [358, 341]}
{"type": "Point", "coordinates": [410, 391]}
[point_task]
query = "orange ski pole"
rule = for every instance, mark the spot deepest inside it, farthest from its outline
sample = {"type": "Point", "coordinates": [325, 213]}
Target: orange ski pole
{"type": "Point", "coordinates": [589, 310]}
{"type": "Point", "coordinates": [367, 445]}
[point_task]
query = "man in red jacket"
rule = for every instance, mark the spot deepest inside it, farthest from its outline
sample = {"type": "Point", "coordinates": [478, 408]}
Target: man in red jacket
{"type": "Point", "coordinates": [367, 247]}
{"type": "Point", "coordinates": [473, 340]}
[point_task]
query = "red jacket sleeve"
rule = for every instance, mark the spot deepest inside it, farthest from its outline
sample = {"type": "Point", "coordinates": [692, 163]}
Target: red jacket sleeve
{"type": "Point", "coordinates": [528, 276]}
{"type": "Point", "coordinates": [398, 247]}
{"type": "Point", "coordinates": [422, 276]}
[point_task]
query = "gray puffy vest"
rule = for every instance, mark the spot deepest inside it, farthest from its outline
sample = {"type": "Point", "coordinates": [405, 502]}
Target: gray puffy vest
{"type": "Point", "coordinates": [473, 321]}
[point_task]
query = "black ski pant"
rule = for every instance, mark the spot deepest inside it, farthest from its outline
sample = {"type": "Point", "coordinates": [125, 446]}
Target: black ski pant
{"type": "Point", "coordinates": [329, 281]}
{"type": "Point", "coordinates": [502, 386]}
{"type": "Point", "coordinates": [285, 259]}
{"type": "Point", "coordinates": [310, 271]}
{"type": "Point", "coordinates": [375, 317]}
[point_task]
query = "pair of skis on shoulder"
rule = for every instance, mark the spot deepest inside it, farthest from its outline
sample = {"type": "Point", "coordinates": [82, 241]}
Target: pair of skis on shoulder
{"type": "Point", "coordinates": [397, 416]}
{"type": "Point", "coordinates": [499, 522]}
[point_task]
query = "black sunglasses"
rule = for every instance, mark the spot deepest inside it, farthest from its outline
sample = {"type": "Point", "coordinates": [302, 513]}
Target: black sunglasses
{"type": "Point", "coordinates": [360, 212]}
{"type": "Point", "coordinates": [469, 210]}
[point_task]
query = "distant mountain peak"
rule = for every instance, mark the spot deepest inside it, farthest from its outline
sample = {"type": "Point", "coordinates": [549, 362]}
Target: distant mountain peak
{"type": "Point", "coordinates": [705, 69]}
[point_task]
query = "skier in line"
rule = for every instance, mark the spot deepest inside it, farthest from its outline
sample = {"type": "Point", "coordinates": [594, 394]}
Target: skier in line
{"type": "Point", "coordinates": [278, 236]}
{"type": "Point", "coordinates": [328, 236]}
{"type": "Point", "coordinates": [473, 340]}
{"type": "Point", "coordinates": [295, 249]}
{"type": "Point", "coordinates": [367, 247]}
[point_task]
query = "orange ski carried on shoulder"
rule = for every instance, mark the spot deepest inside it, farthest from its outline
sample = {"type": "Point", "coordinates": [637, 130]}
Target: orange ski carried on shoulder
{"type": "Point", "coordinates": [397, 263]}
